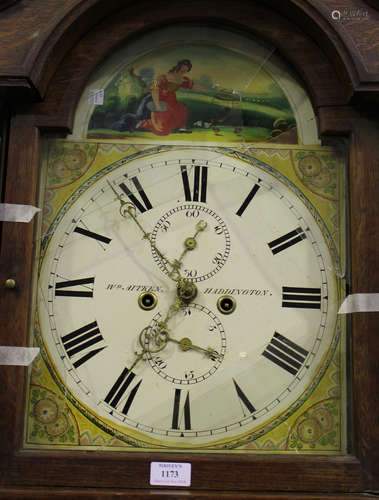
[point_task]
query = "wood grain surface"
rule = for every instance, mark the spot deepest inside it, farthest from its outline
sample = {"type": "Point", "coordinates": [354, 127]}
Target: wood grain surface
{"type": "Point", "coordinates": [38, 33]}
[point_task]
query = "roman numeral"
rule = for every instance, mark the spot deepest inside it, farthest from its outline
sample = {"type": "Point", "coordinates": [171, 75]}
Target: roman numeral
{"type": "Point", "coordinates": [142, 205]}
{"type": "Point", "coordinates": [72, 284]}
{"type": "Point", "coordinates": [79, 340]}
{"type": "Point", "coordinates": [287, 240]}
{"type": "Point", "coordinates": [176, 411]}
{"type": "Point", "coordinates": [248, 199]}
{"type": "Point", "coordinates": [119, 388]}
{"type": "Point", "coordinates": [285, 353]}
{"type": "Point", "coordinates": [90, 234]}
{"type": "Point", "coordinates": [199, 192]}
{"type": "Point", "coordinates": [243, 398]}
{"type": "Point", "coordinates": [304, 298]}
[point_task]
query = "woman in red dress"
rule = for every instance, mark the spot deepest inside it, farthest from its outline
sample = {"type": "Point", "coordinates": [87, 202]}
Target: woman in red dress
{"type": "Point", "coordinates": [168, 114]}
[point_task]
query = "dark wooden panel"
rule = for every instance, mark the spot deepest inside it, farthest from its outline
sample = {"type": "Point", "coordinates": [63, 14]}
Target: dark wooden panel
{"type": "Point", "coordinates": [364, 213]}
{"type": "Point", "coordinates": [85, 494]}
{"type": "Point", "coordinates": [326, 86]}
{"type": "Point", "coordinates": [60, 27]}
{"type": "Point", "coordinates": [38, 33]}
{"type": "Point", "coordinates": [239, 473]}
{"type": "Point", "coordinates": [16, 262]}
{"type": "Point", "coordinates": [353, 35]}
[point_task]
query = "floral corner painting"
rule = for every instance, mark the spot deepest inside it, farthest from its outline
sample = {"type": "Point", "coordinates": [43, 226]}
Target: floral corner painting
{"type": "Point", "coordinates": [193, 92]}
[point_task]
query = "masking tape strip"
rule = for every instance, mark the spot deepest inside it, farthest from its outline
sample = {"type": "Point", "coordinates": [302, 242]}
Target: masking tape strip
{"type": "Point", "coordinates": [10, 212]}
{"type": "Point", "coordinates": [360, 302]}
{"type": "Point", "coordinates": [20, 356]}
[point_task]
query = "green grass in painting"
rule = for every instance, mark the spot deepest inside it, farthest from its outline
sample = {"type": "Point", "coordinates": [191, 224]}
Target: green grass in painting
{"type": "Point", "coordinates": [209, 118]}
{"type": "Point", "coordinates": [224, 134]}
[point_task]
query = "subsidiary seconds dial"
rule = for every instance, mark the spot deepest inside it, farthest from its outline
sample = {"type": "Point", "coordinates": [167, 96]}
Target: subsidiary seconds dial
{"type": "Point", "coordinates": [214, 249]}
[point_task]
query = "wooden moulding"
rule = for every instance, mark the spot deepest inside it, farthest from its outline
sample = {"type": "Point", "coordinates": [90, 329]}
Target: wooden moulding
{"type": "Point", "coordinates": [326, 87]}
{"type": "Point", "coordinates": [302, 36]}
{"type": "Point", "coordinates": [364, 217]}
{"type": "Point", "coordinates": [86, 494]}
{"type": "Point", "coordinates": [38, 35]}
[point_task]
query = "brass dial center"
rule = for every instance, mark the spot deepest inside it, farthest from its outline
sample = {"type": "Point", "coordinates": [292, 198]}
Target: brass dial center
{"type": "Point", "coordinates": [190, 243]}
{"type": "Point", "coordinates": [187, 291]}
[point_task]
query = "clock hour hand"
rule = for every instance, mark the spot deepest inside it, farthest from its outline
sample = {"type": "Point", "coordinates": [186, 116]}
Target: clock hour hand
{"type": "Point", "coordinates": [160, 337]}
{"type": "Point", "coordinates": [149, 342]}
{"type": "Point", "coordinates": [128, 209]}
{"type": "Point", "coordinates": [185, 344]}
{"type": "Point", "coordinates": [154, 339]}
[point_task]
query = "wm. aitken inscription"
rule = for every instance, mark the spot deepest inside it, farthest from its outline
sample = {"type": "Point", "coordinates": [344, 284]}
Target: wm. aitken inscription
{"type": "Point", "coordinates": [207, 291]}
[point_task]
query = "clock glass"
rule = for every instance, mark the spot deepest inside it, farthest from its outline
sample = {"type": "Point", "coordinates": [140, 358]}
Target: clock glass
{"type": "Point", "coordinates": [191, 261]}
{"type": "Point", "coordinates": [187, 297]}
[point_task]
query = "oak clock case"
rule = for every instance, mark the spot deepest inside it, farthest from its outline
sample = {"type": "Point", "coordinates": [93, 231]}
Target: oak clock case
{"type": "Point", "coordinates": [187, 300]}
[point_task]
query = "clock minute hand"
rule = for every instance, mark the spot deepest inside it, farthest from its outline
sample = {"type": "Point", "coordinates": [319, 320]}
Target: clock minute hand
{"type": "Point", "coordinates": [127, 208]}
{"type": "Point", "coordinates": [186, 293]}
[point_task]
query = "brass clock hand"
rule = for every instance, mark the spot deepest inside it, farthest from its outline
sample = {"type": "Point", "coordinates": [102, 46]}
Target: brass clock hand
{"type": "Point", "coordinates": [161, 336]}
{"type": "Point", "coordinates": [187, 291]}
{"type": "Point", "coordinates": [190, 244]}
{"type": "Point", "coordinates": [144, 339]}
{"type": "Point", "coordinates": [129, 209]}
{"type": "Point", "coordinates": [186, 344]}
{"type": "Point", "coordinates": [154, 340]}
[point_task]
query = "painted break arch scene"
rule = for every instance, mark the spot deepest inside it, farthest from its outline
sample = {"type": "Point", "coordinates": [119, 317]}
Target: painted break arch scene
{"type": "Point", "coordinates": [185, 91]}
{"type": "Point", "coordinates": [207, 91]}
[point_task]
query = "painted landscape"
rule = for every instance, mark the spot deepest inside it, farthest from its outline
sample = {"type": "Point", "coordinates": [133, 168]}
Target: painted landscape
{"type": "Point", "coordinates": [199, 100]}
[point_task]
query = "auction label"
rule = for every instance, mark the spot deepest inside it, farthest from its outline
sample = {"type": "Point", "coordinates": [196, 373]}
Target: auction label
{"type": "Point", "coordinates": [170, 474]}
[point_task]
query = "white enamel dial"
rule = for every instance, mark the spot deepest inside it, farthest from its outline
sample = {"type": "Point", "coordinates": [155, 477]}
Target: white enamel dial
{"type": "Point", "coordinates": [262, 248]}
